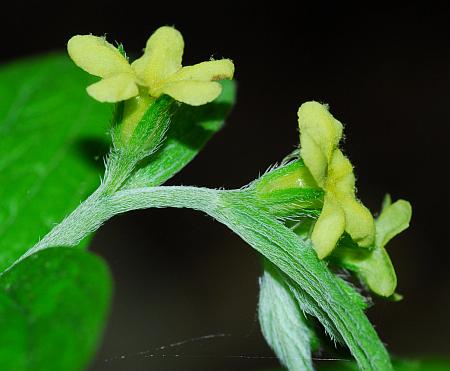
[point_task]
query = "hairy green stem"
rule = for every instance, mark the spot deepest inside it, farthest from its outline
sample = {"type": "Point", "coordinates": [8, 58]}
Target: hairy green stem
{"type": "Point", "coordinates": [299, 262]}
{"type": "Point", "coordinates": [101, 206]}
{"type": "Point", "coordinates": [266, 234]}
{"type": "Point", "coordinates": [283, 248]}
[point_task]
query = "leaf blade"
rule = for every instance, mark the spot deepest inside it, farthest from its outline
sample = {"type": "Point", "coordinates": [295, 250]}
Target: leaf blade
{"type": "Point", "coordinates": [50, 133]}
{"type": "Point", "coordinates": [61, 298]}
{"type": "Point", "coordinates": [282, 322]}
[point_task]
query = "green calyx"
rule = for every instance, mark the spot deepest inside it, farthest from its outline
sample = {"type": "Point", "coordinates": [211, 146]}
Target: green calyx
{"type": "Point", "coordinates": [289, 191]}
{"type": "Point", "coordinates": [135, 137]}
{"type": "Point", "coordinates": [140, 123]}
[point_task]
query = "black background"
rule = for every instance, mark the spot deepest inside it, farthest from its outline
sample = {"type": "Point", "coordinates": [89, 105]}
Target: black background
{"type": "Point", "coordinates": [385, 73]}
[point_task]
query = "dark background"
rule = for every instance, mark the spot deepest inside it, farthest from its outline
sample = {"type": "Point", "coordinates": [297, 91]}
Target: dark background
{"type": "Point", "coordinates": [385, 73]}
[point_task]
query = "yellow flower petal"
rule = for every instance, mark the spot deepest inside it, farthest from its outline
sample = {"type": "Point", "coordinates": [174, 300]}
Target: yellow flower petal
{"type": "Point", "coordinates": [162, 56]}
{"type": "Point", "coordinates": [329, 228]}
{"type": "Point", "coordinates": [377, 270]}
{"type": "Point", "coordinates": [359, 222]}
{"type": "Point", "coordinates": [206, 71]}
{"type": "Point", "coordinates": [96, 56]}
{"type": "Point", "coordinates": [341, 183]}
{"type": "Point", "coordinates": [340, 177]}
{"type": "Point", "coordinates": [114, 89]}
{"type": "Point", "coordinates": [320, 134]}
{"type": "Point", "coordinates": [190, 92]}
{"type": "Point", "coordinates": [374, 267]}
{"type": "Point", "coordinates": [379, 273]}
{"type": "Point", "coordinates": [394, 218]}
{"type": "Point", "coordinates": [314, 159]}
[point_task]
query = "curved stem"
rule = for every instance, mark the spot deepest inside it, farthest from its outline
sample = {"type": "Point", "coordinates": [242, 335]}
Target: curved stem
{"type": "Point", "coordinates": [267, 235]}
{"type": "Point", "coordinates": [320, 288]}
{"type": "Point", "coordinates": [283, 248]}
{"type": "Point", "coordinates": [101, 206]}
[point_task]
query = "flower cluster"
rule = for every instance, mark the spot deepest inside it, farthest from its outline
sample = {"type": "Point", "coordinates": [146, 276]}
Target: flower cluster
{"type": "Point", "coordinates": [158, 71]}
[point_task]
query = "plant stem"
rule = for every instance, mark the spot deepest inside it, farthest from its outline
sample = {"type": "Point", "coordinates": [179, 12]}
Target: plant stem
{"type": "Point", "coordinates": [322, 292]}
{"type": "Point", "coordinates": [320, 288]}
{"type": "Point", "coordinates": [101, 206]}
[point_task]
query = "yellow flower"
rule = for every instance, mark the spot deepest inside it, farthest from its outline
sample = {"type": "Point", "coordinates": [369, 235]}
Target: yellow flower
{"type": "Point", "coordinates": [157, 72]}
{"type": "Point", "coordinates": [374, 267]}
{"type": "Point", "coordinates": [320, 134]}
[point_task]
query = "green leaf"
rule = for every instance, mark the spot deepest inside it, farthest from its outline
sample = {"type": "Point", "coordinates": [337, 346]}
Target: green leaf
{"type": "Point", "coordinates": [282, 322]}
{"type": "Point", "coordinates": [52, 310]}
{"type": "Point", "coordinates": [190, 130]}
{"type": "Point", "coordinates": [13, 335]}
{"type": "Point", "coordinates": [52, 139]}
